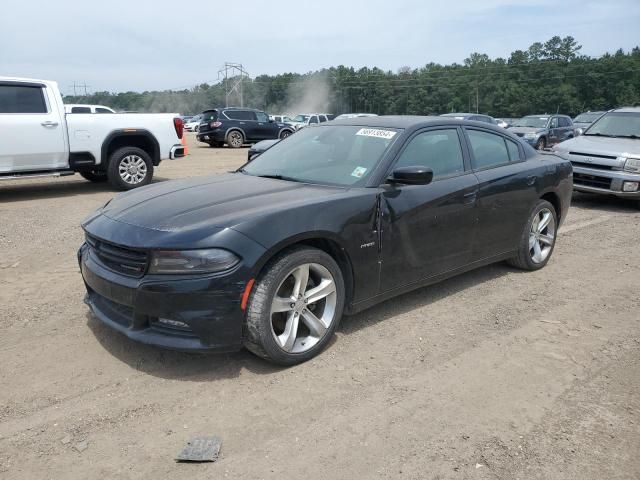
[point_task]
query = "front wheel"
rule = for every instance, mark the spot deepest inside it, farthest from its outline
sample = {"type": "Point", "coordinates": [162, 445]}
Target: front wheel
{"type": "Point", "coordinates": [129, 167]}
{"type": "Point", "coordinates": [541, 144]}
{"type": "Point", "coordinates": [96, 176]}
{"type": "Point", "coordinates": [295, 306]}
{"type": "Point", "coordinates": [538, 239]}
{"type": "Point", "coordinates": [285, 133]}
{"type": "Point", "coordinates": [235, 139]}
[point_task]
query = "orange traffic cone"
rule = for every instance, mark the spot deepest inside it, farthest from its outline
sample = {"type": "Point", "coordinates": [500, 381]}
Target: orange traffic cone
{"type": "Point", "coordinates": [184, 142]}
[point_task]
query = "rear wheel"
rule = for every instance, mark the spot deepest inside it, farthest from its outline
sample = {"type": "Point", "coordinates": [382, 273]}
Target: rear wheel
{"type": "Point", "coordinates": [235, 139]}
{"type": "Point", "coordinates": [284, 134]}
{"type": "Point", "coordinates": [96, 176]}
{"type": "Point", "coordinates": [129, 167]}
{"type": "Point", "coordinates": [538, 239]}
{"type": "Point", "coordinates": [295, 306]}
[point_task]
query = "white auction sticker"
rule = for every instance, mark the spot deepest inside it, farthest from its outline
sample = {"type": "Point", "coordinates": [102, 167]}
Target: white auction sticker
{"type": "Point", "coordinates": [359, 172]}
{"type": "Point", "coordinates": [376, 132]}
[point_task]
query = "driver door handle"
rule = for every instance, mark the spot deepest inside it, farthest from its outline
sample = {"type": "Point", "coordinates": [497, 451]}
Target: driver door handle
{"type": "Point", "coordinates": [49, 123]}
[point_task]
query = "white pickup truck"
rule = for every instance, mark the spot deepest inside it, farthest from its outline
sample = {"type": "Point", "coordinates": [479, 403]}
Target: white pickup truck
{"type": "Point", "coordinates": [37, 138]}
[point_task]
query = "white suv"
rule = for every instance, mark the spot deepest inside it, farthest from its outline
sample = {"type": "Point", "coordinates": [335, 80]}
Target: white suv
{"type": "Point", "coordinates": [304, 119]}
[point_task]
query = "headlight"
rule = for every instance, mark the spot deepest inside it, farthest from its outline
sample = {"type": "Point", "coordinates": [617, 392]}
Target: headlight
{"type": "Point", "coordinates": [530, 135]}
{"type": "Point", "coordinates": [192, 261]}
{"type": "Point", "coordinates": [632, 165]}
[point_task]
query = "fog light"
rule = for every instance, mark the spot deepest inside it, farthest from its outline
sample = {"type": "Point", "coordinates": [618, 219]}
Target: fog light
{"type": "Point", "coordinates": [630, 186]}
{"type": "Point", "coordinates": [173, 323]}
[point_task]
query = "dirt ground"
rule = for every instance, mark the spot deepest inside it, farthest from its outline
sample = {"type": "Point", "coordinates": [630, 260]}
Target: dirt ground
{"type": "Point", "coordinates": [495, 374]}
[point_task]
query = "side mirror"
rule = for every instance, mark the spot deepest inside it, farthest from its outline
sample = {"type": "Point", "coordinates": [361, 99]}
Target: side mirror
{"type": "Point", "coordinates": [271, 120]}
{"type": "Point", "coordinates": [411, 175]}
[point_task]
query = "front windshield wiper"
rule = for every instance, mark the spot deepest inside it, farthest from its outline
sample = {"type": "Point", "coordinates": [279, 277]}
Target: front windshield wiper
{"type": "Point", "coordinates": [600, 135]}
{"type": "Point", "coordinates": [277, 177]}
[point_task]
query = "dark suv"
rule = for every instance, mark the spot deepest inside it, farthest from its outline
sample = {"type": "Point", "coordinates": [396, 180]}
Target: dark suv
{"type": "Point", "coordinates": [237, 126]}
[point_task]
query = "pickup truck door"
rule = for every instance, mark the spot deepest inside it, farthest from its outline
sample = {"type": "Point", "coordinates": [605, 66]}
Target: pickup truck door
{"type": "Point", "coordinates": [31, 128]}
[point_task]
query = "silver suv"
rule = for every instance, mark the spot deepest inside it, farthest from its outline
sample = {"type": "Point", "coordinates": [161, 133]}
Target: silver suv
{"type": "Point", "coordinates": [606, 158]}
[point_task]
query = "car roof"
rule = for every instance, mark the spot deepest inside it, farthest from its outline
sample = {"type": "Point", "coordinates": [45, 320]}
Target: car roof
{"type": "Point", "coordinates": [409, 122]}
{"type": "Point", "coordinates": [627, 110]}
{"type": "Point", "coordinates": [461, 114]}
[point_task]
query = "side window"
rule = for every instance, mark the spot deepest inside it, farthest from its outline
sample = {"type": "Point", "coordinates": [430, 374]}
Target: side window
{"type": "Point", "coordinates": [554, 123]}
{"type": "Point", "coordinates": [564, 122]}
{"type": "Point", "coordinates": [240, 114]}
{"type": "Point", "coordinates": [514, 152]}
{"type": "Point", "coordinates": [103, 110]}
{"type": "Point", "coordinates": [323, 119]}
{"type": "Point", "coordinates": [262, 117]}
{"type": "Point", "coordinates": [21, 99]}
{"type": "Point", "coordinates": [80, 109]}
{"type": "Point", "coordinates": [489, 149]}
{"type": "Point", "coordinates": [313, 119]}
{"type": "Point", "coordinates": [438, 150]}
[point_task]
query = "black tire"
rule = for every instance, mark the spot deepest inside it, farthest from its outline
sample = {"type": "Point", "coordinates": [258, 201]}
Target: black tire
{"type": "Point", "coordinates": [95, 176]}
{"type": "Point", "coordinates": [118, 157]}
{"type": "Point", "coordinates": [285, 133]}
{"type": "Point", "coordinates": [258, 330]}
{"type": "Point", "coordinates": [523, 259]}
{"type": "Point", "coordinates": [541, 144]}
{"type": "Point", "coordinates": [235, 139]}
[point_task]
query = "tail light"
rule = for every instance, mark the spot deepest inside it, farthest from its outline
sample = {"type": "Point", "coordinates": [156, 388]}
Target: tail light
{"type": "Point", "coordinates": [179, 126]}
{"type": "Point", "coordinates": [215, 124]}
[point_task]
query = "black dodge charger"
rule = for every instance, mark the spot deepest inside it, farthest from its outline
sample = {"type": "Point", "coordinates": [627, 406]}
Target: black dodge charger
{"type": "Point", "coordinates": [332, 220]}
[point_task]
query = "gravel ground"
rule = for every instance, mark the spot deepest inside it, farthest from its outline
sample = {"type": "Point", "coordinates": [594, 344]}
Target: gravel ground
{"type": "Point", "coordinates": [495, 374]}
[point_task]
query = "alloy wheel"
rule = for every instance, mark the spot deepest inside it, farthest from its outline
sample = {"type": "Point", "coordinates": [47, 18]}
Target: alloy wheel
{"type": "Point", "coordinates": [542, 235]}
{"type": "Point", "coordinates": [132, 169]}
{"type": "Point", "coordinates": [235, 139]}
{"type": "Point", "coordinates": [303, 308]}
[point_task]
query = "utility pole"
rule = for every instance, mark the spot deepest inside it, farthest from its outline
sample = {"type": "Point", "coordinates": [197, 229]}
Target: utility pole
{"type": "Point", "coordinates": [477, 99]}
{"type": "Point", "coordinates": [233, 75]}
{"type": "Point", "coordinates": [76, 86]}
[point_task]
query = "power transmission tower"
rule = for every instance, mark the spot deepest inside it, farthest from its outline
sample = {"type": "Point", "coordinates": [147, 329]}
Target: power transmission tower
{"type": "Point", "coordinates": [77, 86]}
{"type": "Point", "coordinates": [233, 75]}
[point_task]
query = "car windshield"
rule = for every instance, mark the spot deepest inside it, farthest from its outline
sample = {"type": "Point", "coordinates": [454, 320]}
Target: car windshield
{"type": "Point", "coordinates": [617, 124]}
{"type": "Point", "coordinates": [327, 155]}
{"type": "Point", "coordinates": [587, 117]}
{"type": "Point", "coordinates": [536, 122]}
{"type": "Point", "coordinates": [301, 118]}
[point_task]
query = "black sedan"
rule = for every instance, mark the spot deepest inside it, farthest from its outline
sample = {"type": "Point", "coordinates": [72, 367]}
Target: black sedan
{"type": "Point", "coordinates": [333, 220]}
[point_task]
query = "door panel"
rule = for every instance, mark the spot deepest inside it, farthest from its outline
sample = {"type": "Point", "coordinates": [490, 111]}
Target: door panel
{"type": "Point", "coordinates": [31, 130]}
{"type": "Point", "coordinates": [427, 229]}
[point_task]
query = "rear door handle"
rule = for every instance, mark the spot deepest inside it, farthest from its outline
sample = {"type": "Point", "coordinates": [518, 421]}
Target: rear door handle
{"type": "Point", "coordinates": [49, 123]}
{"type": "Point", "coordinates": [470, 197]}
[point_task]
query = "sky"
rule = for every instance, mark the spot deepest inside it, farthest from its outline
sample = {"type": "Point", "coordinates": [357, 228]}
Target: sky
{"type": "Point", "coordinates": [138, 45]}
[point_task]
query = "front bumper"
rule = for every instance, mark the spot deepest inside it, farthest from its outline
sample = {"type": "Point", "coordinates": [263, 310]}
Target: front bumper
{"type": "Point", "coordinates": [184, 313]}
{"type": "Point", "coordinates": [607, 182]}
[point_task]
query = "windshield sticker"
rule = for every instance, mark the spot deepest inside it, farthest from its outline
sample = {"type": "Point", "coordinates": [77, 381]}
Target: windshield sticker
{"type": "Point", "coordinates": [359, 171]}
{"type": "Point", "coordinates": [376, 132]}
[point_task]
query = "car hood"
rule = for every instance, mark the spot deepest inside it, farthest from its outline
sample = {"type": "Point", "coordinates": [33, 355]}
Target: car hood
{"type": "Point", "coordinates": [206, 204]}
{"type": "Point", "coordinates": [619, 147]}
{"type": "Point", "coordinates": [526, 130]}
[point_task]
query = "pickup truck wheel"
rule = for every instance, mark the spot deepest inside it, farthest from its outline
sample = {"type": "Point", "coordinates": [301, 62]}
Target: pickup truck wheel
{"type": "Point", "coordinates": [538, 238]}
{"type": "Point", "coordinates": [96, 176]}
{"type": "Point", "coordinates": [541, 144]}
{"type": "Point", "coordinates": [235, 139]}
{"type": "Point", "coordinates": [129, 167]}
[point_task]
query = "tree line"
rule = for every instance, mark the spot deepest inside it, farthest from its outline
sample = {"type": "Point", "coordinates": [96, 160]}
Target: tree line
{"type": "Point", "coordinates": [547, 77]}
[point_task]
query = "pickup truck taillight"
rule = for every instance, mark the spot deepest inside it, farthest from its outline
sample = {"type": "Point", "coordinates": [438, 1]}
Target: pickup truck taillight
{"type": "Point", "coordinates": [179, 126]}
{"type": "Point", "coordinates": [215, 124]}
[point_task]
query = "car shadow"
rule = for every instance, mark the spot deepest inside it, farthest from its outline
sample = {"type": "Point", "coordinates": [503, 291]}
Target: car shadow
{"type": "Point", "coordinates": [194, 367]}
{"type": "Point", "coordinates": [21, 191]}
{"type": "Point", "coordinates": [605, 203]}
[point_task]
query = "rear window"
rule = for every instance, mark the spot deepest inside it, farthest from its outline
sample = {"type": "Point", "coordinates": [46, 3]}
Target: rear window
{"type": "Point", "coordinates": [207, 116]}
{"type": "Point", "coordinates": [80, 109]}
{"type": "Point", "coordinates": [103, 110]}
{"type": "Point", "coordinates": [22, 99]}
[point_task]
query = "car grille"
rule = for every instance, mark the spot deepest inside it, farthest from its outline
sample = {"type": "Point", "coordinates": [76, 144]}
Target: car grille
{"type": "Point", "coordinates": [591, 181]}
{"type": "Point", "coordinates": [591, 165]}
{"type": "Point", "coordinates": [594, 155]}
{"type": "Point", "coordinates": [119, 259]}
